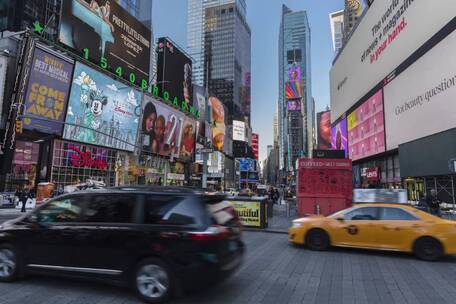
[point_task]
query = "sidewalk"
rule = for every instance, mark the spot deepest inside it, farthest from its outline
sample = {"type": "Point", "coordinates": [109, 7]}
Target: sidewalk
{"type": "Point", "coordinates": [279, 223]}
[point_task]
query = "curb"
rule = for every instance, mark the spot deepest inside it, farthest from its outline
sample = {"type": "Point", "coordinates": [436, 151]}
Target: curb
{"type": "Point", "coordinates": [276, 231]}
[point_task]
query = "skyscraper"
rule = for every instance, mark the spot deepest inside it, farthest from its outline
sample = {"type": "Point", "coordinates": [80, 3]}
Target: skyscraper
{"type": "Point", "coordinates": [353, 11]}
{"type": "Point", "coordinates": [336, 21]}
{"type": "Point", "coordinates": [275, 127]}
{"type": "Point", "coordinates": [295, 97]}
{"type": "Point", "coordinates": [219, 39]}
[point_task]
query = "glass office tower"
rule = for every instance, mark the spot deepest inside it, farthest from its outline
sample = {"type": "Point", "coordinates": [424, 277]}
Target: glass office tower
{"type": "Point", "coordinates": [295, 97]}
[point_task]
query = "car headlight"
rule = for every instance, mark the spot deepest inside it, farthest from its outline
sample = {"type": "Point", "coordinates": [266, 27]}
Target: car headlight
{"type": "Point", "coordinates": [297, 224]}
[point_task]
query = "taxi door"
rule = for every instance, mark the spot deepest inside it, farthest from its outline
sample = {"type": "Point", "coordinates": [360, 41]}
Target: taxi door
{"type": "Point", "coordinates": [398, 228]}
{"type": "Point", "coordinates": [357, 228]}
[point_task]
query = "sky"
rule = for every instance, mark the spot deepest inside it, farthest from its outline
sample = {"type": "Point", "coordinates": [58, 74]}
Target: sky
{"type": "Point", "coordinates": [263, 17]}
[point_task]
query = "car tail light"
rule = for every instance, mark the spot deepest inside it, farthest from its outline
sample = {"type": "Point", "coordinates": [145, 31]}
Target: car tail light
{"type": "Point", "coordinates": [213, 233]}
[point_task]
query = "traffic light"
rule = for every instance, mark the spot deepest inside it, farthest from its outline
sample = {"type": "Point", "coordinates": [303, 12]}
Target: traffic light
{"type": "Point", "coordinates": [18, 126]}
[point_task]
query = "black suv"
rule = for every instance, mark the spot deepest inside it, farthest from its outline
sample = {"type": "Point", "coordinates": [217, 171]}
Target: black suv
{"type": "Point", "coordinates": [158, 240]}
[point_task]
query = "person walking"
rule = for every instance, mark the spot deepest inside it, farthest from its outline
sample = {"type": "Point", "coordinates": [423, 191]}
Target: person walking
{"type": "Point", "coordinates": [433, 203]}
{"type": "Point", "coordinates": [22, 195]}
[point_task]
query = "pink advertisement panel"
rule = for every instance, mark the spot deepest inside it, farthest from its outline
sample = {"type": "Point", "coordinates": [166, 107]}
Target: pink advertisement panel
{"type": "Point", "coordinates": [366, 128]}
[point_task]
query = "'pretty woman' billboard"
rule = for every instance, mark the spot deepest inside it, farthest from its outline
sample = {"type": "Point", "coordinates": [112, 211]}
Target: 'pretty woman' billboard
{"type": "Point", "coordinates": [339, 136]}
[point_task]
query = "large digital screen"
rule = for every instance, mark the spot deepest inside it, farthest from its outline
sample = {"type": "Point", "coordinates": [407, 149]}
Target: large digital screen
{"type": "Point", "coordinates": [255, 144]}
{"type": "Point", "coordinates": [294, 105]}
{"type": "Point", "coordinates": [174, 72]}
{"type": "Point", "coordinates": [102, 111]}
{"type": "Point", "coordinates": [293, 90]}
{"type": "Point", "coordinates": [161, 128]}
{"type": "Point", "coordinates": [104, 33]}
{"type": "Point", "coordinates": [247, 165]}
{"type": "Point", "coordinates": [339, 136]}
{"type": "Point", "coordinates": [294, 73]}
{"type": "Point", "coordinates": [47, 92]}
{"type": "Point", "coordinates": [199, 102]}
{"type": "Point", "coordinates": [218, 123]}
{"type": "Point", "coordinates": [188, 140]}
{"type": "Point", "coordinates": [324, 130]}
{"type": "Point", "coordinates": [238, 130]}
{"type": "Point", "coordinates": [366, 128]}
{"type": "Point", "coordinates": [385, 36]}
{"type": "Point", "coordinates": [421, 101]}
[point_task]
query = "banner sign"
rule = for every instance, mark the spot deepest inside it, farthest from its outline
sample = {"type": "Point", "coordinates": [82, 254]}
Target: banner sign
{"type": "Point", "coordinates": [104, 33]}
{"type": "Point", "coordinates": [218, 123]}
{"type": "Point", "coordinates": [238, 130]}
{"type": "Point", "coordinates": [324, 130]}
{"type": "Point", "coordinates": [47, 92]}
{"type": "Point", "coordinates": [187, 147]}
{"type": "Point", "coordinates": [248, 212]}
{"type": "Point", "coordinates": [161, 128]}
{"type": "Point", "coordinates": [102, 111]}
{"type": "Point", "coordinates": [366, 128]}
{"type": "Point", "coordinates": [339, 136]}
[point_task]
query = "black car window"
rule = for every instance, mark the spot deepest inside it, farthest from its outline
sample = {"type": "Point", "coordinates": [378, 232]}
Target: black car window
{"type": "Point", "coordinates": [396, 214]}
{"type": "Point", "coordinates": [364, 213]}
{"type": "Point", "coordinates": [110, 208]}
{"type": "Point", "coordinates": [170, 210]}
{"type": "Point", "coordinates": [66, 209]}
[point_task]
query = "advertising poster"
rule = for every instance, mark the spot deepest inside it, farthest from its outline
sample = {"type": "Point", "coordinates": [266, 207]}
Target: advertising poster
{"type": "Point", "coordinates": [104, 33]}
{"type": "Point", "coordinates": [293, 90]}
{"type": "Point", "coordinates": [366, 128]}
{"type": "Point", "coordinates": [248, 212]}
{"type": "Point", "coordinates": [174, 72]}
{"type": "Point", "coordinates": [47, 93]}
{"type": "Point", "coordinates": [218, 123]}
{"type": "Point", "coordinates": [294, 73]}
{"type": "Point", "coordinates": [161, 128]}
{"type": "Point", "coordinates": [188, 140]}
{"type": "Point", "coordinates": [247, 165]}
{"type": "Point", "coordinates": [255, 144]}
{"type": "Point", "coordinates": [339, 136]}
{"type": "Point", "coordinates": [324, 130]}
{"type": "Point", "coordinates": [102, 111]}
{"type": "Point", "coordinates": [294, 105]}
{"type": "Point", "coordinates": [199, 102]}
{"type": "Point", "coordinates": [238, 130]}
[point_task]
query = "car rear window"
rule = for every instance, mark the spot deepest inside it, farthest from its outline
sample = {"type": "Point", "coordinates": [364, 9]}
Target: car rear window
{"type": "Point", "coordinates": [172, 210]}
{"type": "Point", "coordinates": [110, 208]}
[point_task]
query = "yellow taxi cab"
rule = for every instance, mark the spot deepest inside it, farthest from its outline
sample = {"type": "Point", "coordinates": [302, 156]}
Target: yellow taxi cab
{"type": "Point", "coordinates": [378, 226]}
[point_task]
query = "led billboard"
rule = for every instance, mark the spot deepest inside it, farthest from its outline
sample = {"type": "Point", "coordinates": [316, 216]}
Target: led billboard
{"type": "Point", "coordinates": [366, 128]}
{"type": "Point", "coordinates": [339, 136]}
{"type": "Point", "coordinates": [47, 92]}
{"type": "Point", "coordinates": [388, 33]}
{"type": "Point", "coordinates": [102, 111]}
{"type": "Point", "coordinates": [324, 130]}
{"type": "Point", "coordinates": [104, 33]}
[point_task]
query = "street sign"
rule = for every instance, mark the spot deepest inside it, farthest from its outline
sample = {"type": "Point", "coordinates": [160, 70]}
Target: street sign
{"type": "Point", "coordinates": [206, 150]}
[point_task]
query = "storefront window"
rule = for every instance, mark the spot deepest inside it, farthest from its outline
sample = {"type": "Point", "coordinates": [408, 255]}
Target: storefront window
{"type": "Point", "coordinates": [25, 164]}
{"type": "Point", "coordinates": [74, 163]}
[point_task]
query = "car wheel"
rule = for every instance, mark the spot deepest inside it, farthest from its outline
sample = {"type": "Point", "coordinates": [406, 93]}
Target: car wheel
{"type": "Point", "coordinates": [153, 281]}
{"type": "Point", "coordinates": [318, 240]}
{"type": "Point", "coordinates": [9, 266]}
{"type": "Point", "coordinates": [428, 249]}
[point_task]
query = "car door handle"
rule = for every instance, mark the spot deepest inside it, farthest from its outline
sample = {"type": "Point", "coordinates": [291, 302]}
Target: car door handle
{"type": "Point", "coordinates": [391, 228]}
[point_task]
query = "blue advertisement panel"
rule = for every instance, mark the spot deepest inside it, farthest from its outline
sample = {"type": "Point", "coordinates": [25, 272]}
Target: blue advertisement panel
{"type": "Point", "coordinates": [102, 111]}
{"type": "Point", "coordinates": [246, 164]}
{"type": "Point", "coordinates": [47, 92]}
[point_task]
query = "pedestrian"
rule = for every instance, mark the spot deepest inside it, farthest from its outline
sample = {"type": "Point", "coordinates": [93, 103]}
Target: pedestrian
{"type": "Point", "coordinates": [433, 203]}
{"type": "Point", "coordinates": [22, 195]}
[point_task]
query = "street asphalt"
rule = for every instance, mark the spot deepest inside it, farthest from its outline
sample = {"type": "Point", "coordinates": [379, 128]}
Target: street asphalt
{"type": "Point", "coordinates": [276, 272]}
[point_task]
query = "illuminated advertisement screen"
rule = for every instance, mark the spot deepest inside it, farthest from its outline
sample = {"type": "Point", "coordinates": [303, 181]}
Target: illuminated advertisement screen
{"type": "Point", "coordinates": [102, 111]}
{"type": "Point", "coordinates": [293, 90]}
{"type": "Point", "coordinates": [339, 136]}
{"type": "Point", "coordinates": [294, 73]}
{"type": "Point", "coordinates": [294, 105]}
{"type": "Point", "coordinates": [188, 140]}
{"type": "Point", "coordinates": [199, 102]}
{"type": "Point", "coordinates": [218, 123]}
{"type": "Point", "coordinates": [366, 128]}
{"type": "Point", "coordinates": [104, 33]}
{"type": "Point", "coordinates": [247, 165]}
{"type": "Point", "coordinates": [47, 92]}
{"type": "Point", "coordinates": [161, 128]}
{"type": "Point", "coordinates": [324, 130]}
{"type": "Point", "coordinates": [174, 72]}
